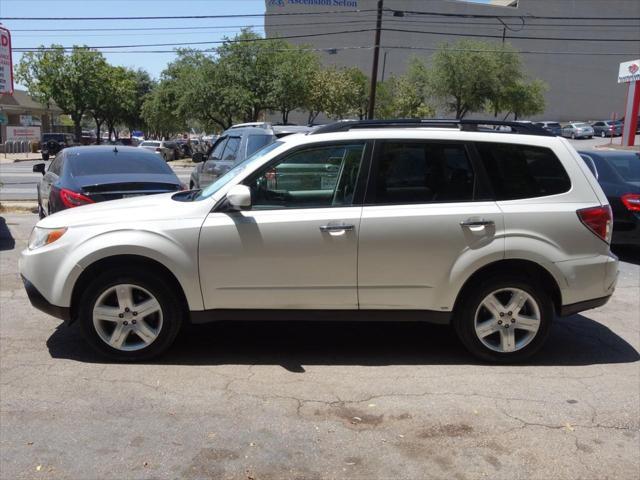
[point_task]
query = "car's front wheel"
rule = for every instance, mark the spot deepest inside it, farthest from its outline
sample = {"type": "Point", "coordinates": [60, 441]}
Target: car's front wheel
{"type": "Point", "coordinates": [130, 315]}
{"type": "Point", "coordinates": [504, 319]}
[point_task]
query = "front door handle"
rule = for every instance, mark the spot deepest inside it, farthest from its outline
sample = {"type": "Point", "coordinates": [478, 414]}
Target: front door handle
{"type": "Point", "coordinates": [336, 228]}
{"type": "Point", "coordinates": [476, 222]}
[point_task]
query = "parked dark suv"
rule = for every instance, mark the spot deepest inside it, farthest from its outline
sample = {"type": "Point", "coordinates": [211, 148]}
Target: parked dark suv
{"type": "Point", "coordinates": [52, 143]}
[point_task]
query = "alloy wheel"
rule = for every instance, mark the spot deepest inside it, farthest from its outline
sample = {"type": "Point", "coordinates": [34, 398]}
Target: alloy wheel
{"type": "Point", "coordinates": [127, 317]}
{"type": "Point", "coordinates": [507, 320]}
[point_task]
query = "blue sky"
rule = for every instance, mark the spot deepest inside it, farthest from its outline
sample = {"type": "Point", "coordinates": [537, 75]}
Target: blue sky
{"type": "Point", "coordinates": [154, 63]}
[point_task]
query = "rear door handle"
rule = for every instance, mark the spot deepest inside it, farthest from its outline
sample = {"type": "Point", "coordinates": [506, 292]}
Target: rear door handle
{"type": "Point", "coordinates": [474, 222]}
{"type": "Point", "coordinates": [336, 228]}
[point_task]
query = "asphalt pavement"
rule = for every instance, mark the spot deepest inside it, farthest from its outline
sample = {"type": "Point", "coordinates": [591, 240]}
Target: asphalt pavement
{"type": "Point", "coordinates": [292, 400]}
{"type": "Point", "coordinates": [18, 182]}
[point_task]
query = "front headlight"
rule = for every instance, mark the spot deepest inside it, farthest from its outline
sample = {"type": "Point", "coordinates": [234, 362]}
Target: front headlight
{"type": "Point", "coordinates": [44, 236]}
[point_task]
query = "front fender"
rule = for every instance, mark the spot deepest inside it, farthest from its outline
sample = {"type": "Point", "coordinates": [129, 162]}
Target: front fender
{"type": "Point", "coordinates": [177, 252]}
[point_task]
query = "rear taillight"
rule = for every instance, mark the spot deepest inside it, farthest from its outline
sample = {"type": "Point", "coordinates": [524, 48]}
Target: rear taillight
{"type": "Point", "coordinates": [158, 149]}
{"type": "Point", "coordinates": [598, 220]}
{"type": "Point", "coordinates": [631, 201]}
{"type": "Point", "coordinates": [72, 199]}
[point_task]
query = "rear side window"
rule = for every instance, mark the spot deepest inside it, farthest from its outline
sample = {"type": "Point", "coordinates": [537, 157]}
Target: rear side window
{"type": "Point", "coordinates": [409, 173]}
{"type": "Point", "coordinates": [523, 171]}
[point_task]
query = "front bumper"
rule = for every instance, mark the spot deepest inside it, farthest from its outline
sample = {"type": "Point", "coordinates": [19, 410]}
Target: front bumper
{"type": "Point", "coordinates": [42, 304]}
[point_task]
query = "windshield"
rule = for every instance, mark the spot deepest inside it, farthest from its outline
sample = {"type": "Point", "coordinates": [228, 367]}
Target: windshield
{"type": "Point", "coordinates": [240, 167]}
{"type": "Point", "coordinates": [628, 166]}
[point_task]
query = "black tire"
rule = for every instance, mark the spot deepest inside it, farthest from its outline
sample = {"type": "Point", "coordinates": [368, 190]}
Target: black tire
{"type": "Point", "coordinates": [45, 156]}
{"type": "Point", "coordinates": [464, 318]}
{"type": "Point", "coordinates": [170, 303]}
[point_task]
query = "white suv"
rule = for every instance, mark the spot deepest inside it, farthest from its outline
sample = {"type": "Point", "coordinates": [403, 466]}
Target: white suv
{"type": "Point", "coordinates": [495, 233]}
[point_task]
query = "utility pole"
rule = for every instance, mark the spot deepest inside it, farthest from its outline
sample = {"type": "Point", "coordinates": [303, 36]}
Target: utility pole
{"type": "Point", "coordinates": [374, 68]}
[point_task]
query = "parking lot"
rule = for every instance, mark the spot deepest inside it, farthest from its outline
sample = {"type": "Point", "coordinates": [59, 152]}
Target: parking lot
{"type": "Point", "coordinates": [317, 400]}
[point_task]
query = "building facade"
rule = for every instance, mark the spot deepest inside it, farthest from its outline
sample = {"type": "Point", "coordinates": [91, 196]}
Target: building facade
{"type": "Point", "coordinates": [578, 58]}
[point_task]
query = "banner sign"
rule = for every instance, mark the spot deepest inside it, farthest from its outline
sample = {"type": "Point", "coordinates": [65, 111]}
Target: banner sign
{"type": "Point", "coordinates": [6, 62]}
{"type": "Point", "coordinates": [23, 133]}
{"type": "Point", "coordinates": [629, 71]}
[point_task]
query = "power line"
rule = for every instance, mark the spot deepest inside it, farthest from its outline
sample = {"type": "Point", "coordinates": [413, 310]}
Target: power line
{"type": "Point", "coordinates": [391, 47]}
{"type": "Point", "coordinates": [309, 35]}
{"type": "Point", "coordinates": [400, 13]}
{"type": "Point", "coordinates": [512, 37]}
{"type": "Point", "coordinates": [188, 17]}
{"type": "Point", "coordinates": [203, 27]}
{"type": "Point", "coordinates": [248, 40]}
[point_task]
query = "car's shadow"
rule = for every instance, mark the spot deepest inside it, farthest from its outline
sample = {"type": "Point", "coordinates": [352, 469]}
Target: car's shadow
{"type": "Point", "coordinates": [576, 340]}
{"type": "Point", "coordinates": [6, 239]}
{"type": "Point", "coordinates": [627, 253]}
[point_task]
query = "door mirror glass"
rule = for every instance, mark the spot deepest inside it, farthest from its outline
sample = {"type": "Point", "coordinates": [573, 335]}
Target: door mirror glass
{"type": "Point", "coordinates": [39, 168]}
{"type": "Point", "coordinates": [197, 157]}
{"type": "Point", "coordinates": [239, 197]}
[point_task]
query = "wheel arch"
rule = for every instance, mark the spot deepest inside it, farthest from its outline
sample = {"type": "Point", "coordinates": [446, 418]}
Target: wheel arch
{"type": "Point", "coordinates": [526, 268]}
{"type": "Point", "coordinates": [128, 261]}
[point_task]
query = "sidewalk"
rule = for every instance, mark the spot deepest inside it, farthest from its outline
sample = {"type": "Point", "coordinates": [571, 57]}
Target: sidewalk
{"type": "Point", "coordinates": [19, 157]}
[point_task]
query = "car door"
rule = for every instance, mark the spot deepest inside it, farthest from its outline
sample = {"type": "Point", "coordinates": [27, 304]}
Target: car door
{"type": "Point", "coordinates": [427, 217]}
{"type": "Point", "coordinates": [206, 174]}
{"type": "Point", "coordinates": [50, 178]}
{"type": "Point", "coordinates": [296, 247]}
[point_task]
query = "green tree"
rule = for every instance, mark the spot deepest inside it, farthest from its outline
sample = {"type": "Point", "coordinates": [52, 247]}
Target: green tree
{"type": "Point", "coordinates": [295, 68]}
{"type": "Point", "coordinates": [523, 99]}
{"type": "Point", "coordinates": [144, 84]}
{"type": "Point", "coordinates": [467, 75]}
{"type": "Point", "coordinates": [247, 66]}
{"type": "Point", "coordinates": [67, 78]}
{"type": "Point", "coordinates": [159, 112]}
{"type": "Point", "coordinates": [408, 95]}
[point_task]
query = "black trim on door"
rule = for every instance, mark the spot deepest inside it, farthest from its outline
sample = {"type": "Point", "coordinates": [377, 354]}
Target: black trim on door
{"type": "Point", "coordinates": [253, 315]}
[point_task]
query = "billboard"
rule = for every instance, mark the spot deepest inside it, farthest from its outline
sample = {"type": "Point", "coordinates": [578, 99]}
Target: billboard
{"type": "Point", "coordinates": [629, 71]}
{"type": "Point", "coordinates": [6, 63]}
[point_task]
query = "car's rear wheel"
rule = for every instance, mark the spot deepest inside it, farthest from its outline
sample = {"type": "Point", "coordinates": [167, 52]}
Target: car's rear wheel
{"type": "Point", "coordinates": [130, 315]}
{"type": "Point", "coordinates": [504, 319]}
{"type": "Point", "coordinates": [573, 136]}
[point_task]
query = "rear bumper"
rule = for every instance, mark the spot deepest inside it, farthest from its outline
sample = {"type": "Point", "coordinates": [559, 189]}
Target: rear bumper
{"type": "Point", "coordinates": [574, 308]}
{"type": "Point", "coordinates": [42, 304]}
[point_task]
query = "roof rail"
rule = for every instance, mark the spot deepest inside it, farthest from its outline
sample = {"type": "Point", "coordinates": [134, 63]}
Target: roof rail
{"type": "Point", "coordinates": [521, 128]}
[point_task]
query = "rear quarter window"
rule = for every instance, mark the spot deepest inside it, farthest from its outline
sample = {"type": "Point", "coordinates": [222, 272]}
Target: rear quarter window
{"type": "Point", "coordinates": [523, 171]}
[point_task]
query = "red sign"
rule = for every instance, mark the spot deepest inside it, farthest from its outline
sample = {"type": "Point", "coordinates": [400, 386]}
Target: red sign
{"type": "Point", "coordinates": [6, 62]}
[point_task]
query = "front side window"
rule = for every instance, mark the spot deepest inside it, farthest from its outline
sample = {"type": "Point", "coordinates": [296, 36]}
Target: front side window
{"type": "Point", "coordinates": [231, 150]}
{"type": "Point", "coordinates": [409, 173]}
{"type": "Point", "coordinates": [315, 177]}
{"type": "Point", "coordinates": [522, 171]}
{"type": "Point", "coordinates": [216, 150]}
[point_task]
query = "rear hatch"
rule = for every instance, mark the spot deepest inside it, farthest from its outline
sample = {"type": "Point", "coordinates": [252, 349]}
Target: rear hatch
{"type": "Point", "coordinates": [99, 189]}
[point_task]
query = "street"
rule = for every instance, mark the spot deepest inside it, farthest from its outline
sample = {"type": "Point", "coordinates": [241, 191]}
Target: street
{"type": "Point", "coordinates": [18, 182]}
{"type": "Point", "coordinates": [317, 400]}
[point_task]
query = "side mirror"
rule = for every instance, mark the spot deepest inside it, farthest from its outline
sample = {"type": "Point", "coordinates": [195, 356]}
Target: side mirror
{"type": "Point", "coordinates": [39, 168]}
{"type": "Point", "coordinates": [239, 197]}
{"type": "Point", "coordinates": [197, 157]}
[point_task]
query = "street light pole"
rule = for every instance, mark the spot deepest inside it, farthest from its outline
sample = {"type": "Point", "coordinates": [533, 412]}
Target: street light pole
{"type": "Point", "coordinates": [374, 67]}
